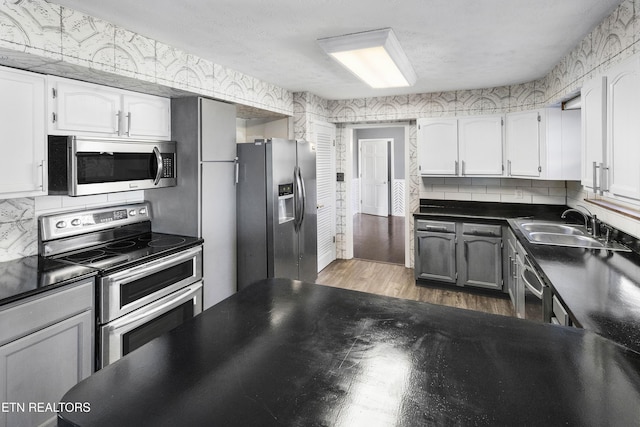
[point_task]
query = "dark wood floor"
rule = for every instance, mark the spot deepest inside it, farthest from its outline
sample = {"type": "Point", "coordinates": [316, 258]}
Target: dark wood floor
{"type": "Point", "coordinates": [378, 238]}
{"type": "Point", "coordinates": [398, 281]}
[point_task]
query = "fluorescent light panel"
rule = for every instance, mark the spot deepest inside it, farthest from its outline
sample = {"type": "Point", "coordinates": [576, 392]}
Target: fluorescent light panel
{"type": "Point", "coordinates": [373, 56]}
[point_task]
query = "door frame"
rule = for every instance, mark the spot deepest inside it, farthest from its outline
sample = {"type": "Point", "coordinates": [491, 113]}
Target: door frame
{"type": "Point", "coordinates": [390, 169]}
{"type": "Point", "coordinates": [348, 139]}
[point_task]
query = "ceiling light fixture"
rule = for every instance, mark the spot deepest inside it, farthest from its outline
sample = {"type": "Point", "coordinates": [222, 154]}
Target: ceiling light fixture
{"type": "Point", "coordinates": [376, 57]}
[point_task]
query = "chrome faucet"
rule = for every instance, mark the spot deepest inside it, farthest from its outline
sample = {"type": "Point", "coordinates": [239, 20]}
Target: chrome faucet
{"type": "Point", "coordinates": [589, 219]}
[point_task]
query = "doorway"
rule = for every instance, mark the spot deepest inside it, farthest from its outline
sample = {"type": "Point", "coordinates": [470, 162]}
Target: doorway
{"type": "Point", "coordinates": [378, 194]}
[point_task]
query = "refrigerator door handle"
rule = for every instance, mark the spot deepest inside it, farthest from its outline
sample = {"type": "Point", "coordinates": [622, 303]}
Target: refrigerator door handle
{"type": "Point", "coordinates": [303, 197]}
{"type": "Point", "coordinates": [297, 202]}
{"type": "Point", "coordinates": [237, 170]}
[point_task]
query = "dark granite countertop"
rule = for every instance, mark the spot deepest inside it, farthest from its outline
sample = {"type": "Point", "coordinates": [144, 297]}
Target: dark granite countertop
{"type": "Point", "coordinates": [601, 290]}
{"type": "Point", "coordinates": [284, 352]}
{"type": "Point", "coordinates": [28, 276]}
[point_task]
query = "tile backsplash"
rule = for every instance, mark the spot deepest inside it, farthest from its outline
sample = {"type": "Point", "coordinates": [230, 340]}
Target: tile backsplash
{"type": "Point", "coordinates": [18, 218]}
{"type": "Point", "coordinates": [505, 190]}
{"type": "Point", "coordinates": [18, 230]}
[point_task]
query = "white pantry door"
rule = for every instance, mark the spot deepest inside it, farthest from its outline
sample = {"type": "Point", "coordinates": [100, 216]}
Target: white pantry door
{"type": "Point", "coordinates": [324, 138]}
{"type": "Point", "coordinates": [374, 177]}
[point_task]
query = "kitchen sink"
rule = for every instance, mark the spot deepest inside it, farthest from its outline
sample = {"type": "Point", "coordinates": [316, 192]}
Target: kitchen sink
{"type": "Point", "coordinates": [560, 234]}
{"type": "Point", "coordinates": [547, 227]}
{"type": "Point", "coordinates": [565, 240]}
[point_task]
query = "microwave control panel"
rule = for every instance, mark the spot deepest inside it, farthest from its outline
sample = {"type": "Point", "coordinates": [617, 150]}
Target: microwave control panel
{"type": "Point", "coordinates": [168, 166]}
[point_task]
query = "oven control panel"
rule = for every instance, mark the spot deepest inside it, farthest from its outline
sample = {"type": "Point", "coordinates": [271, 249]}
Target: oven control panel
{"type": "Point", "coordinates": [73, 223]}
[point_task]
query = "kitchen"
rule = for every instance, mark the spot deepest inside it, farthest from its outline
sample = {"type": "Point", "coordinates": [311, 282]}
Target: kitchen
{"type": "Point", "coordinates": [173, 73]}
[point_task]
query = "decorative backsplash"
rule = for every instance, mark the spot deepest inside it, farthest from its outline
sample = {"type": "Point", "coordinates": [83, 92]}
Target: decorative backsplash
{"type": "Point", "coordinates": [18, 231]}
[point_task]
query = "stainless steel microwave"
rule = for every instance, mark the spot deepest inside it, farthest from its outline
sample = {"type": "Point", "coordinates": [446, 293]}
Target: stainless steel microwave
{"type": "Point", "coordinates": [82, 166]}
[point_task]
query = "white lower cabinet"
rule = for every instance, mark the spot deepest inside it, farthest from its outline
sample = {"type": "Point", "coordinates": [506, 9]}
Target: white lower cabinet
{"type": "Point", "coordinates": [46, 347]}
{"type": "Point", "coordinates": [23, 171]}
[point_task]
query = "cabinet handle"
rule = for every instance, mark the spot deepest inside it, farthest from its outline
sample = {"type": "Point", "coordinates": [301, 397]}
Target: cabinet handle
{"type": "Point", "coordinates": [128, 124]}
{"type": "Point", "coordinates": [43, 175]}
{"type": "Point", "coordinates": [436, 229]}
{"type": "Point", "coordinates": [456, 167]}
{"type": "Point", "coordinates": [604, 181]}
{"type": "Point", "coordinates": [237, 170]}
{"type": "Point", "coordinates": [508, 167]}
{"type": "Point", "coordinates": [595, 178]}
{"type": "Point", "coordinates": [118, 114]}
{"type": "Point", "coordinates": [462, 172]}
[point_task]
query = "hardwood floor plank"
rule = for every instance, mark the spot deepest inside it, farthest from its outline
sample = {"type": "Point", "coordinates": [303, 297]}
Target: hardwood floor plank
{"type": "Point", "coordinates": [398, 281]}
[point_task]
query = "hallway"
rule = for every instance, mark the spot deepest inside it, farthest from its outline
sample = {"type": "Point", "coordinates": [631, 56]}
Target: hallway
{"type": "Point", "coordinates": [378, 238]}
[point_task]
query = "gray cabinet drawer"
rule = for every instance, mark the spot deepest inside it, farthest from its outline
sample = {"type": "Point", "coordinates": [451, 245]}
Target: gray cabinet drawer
{"type": "Point", "coordinates": [488, 230]}
{"type": "Point", "coordinates": [436, 226]}
{"type": "Point", "coordinates": [24, 317]}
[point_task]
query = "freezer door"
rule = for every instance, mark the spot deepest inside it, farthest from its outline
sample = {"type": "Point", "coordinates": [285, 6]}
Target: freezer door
{"type": "Point", "coordinates": [218, 231]}
{"type": "Point", "coordinates": [218, 130]}
{"type": "Point", "coordinates": [285, 239]}
{"type": "Point", "coordinates": [308, 232]}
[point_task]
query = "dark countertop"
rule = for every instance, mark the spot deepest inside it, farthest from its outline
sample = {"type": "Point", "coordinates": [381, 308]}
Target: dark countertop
{"type": "Point", "coordinates": [284, 352]}
{"type": "Point", "coordinates": [601, 290]}
{"type": "Point", "coordinates": [28, 276]}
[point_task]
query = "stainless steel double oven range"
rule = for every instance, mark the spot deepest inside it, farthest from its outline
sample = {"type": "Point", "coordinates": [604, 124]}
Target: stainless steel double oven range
{"type": "Point", "coordinates": [147, 284]}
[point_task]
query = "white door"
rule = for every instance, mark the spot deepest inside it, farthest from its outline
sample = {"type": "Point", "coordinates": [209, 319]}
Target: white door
{"type": "Point", "coordinates": [324, 137]}
{"type": "Point", "coordinates": [84, 108]}
{"type": "Point", "coordinates": [22, 110]}
{"type": "Point", "coordinates": [374, 177]}
{"type": "Point", "coordinates": [438, 146]}
{"type": "Point", "coordinates": [623, 128]}
{"type": "Point", "coordinates": [523, 144]}
{"type": "Point", "coordinates": [480, 145]}
{"type": "Point", "coordinates": [593, 99]}
{"type": "Point", "coordinates": [147, 116]}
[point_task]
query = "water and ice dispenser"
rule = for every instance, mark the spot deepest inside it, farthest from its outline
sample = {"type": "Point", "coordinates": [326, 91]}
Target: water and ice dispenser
{"type": "Point", "coordinates": [285, 203]}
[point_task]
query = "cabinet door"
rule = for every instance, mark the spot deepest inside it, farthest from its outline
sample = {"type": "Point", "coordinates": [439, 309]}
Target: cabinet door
{"type": "Point", "coordinates": [623, 128]}
{"type": "Point", "coordinates": [218, 130]}
{"type": "Point", "coordinates": [43, 366]}
{"type": "Point", "coordinates": [480, 145]}
{"type": "Point", "coordinates": [438, 146]}
{"type": "Point", "coordinates": [146, 116]}
{"type": "Point", "coordinates": [480, 262]}
{"type": "Point", "coordinates": [593, 111]}
{"type": "Point", "coordinates": [22, 118]}
{"type": "Point", "coordinates": [435, 256]}
{"type": "Point", "coordinates": [83, 108]}
{"type": "Point", "coordinates": [523, 144]}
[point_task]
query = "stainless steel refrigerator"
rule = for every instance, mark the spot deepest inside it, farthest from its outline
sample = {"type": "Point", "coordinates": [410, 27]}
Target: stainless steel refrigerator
{"type": "Point", "coordinates": [203, 204]}
{"type": "Point", "coordinates": [276, 211]}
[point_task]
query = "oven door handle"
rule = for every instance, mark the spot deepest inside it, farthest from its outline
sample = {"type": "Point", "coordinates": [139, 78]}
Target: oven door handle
{"type": "Point", "coordinates": [159, 164]}
{"type": "Point", "coordinates": [177, 299]}
{"type": "Point", "coordinates": [532, 288]}
{"type": "Point", "coordinates": [153, 266]}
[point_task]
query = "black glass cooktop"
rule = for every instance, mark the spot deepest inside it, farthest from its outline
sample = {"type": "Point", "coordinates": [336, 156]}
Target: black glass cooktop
{"type": "Point", "coordinates": [30, 275]}
{"type": "Point", "coordinates": [130, 251]}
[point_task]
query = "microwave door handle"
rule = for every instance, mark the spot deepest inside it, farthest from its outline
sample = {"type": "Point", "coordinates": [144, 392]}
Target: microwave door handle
{"type": "Point", "coordinates": [159, 164]}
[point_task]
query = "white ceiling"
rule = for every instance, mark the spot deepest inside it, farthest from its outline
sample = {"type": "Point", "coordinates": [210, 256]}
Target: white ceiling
{"type": "Point", "coordinates": [452, 44]}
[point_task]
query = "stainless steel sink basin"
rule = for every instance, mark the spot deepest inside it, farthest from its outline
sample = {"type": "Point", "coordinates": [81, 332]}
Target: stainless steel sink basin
{"type": "Point", "coordinates": [560, 234]}
{"type": "Point", "coordinates": [546, 227]}
{"type": "Point", "coordinates": [565, 240]}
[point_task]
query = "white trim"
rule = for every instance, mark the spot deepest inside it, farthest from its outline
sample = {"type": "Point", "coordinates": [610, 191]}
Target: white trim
{"type": "Point", "coordinates": [390, 170]}
{"type": "Point", "coordinates": [348, 172]}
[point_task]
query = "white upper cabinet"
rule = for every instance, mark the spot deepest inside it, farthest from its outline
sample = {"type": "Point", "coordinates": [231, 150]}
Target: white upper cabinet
{"type": "Point", "coordinates": [480, 144]}
{"type": "Point", "coordinates": [523, 144]}
{"type": "Point", "coordinates": [465, 146]}
{"type": "Point", "coordinates": [594, 106]}
{"type": "Point", "coordinates": [438, 146]}
{"type": "Point", "coordinates": [22, 121]}
{"type": "Point", "coordinates": [623, 128]}
{"type": "Point", "coordinates": [81, 108]}
{"type": "Point", "coordinates": [543, 144]}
